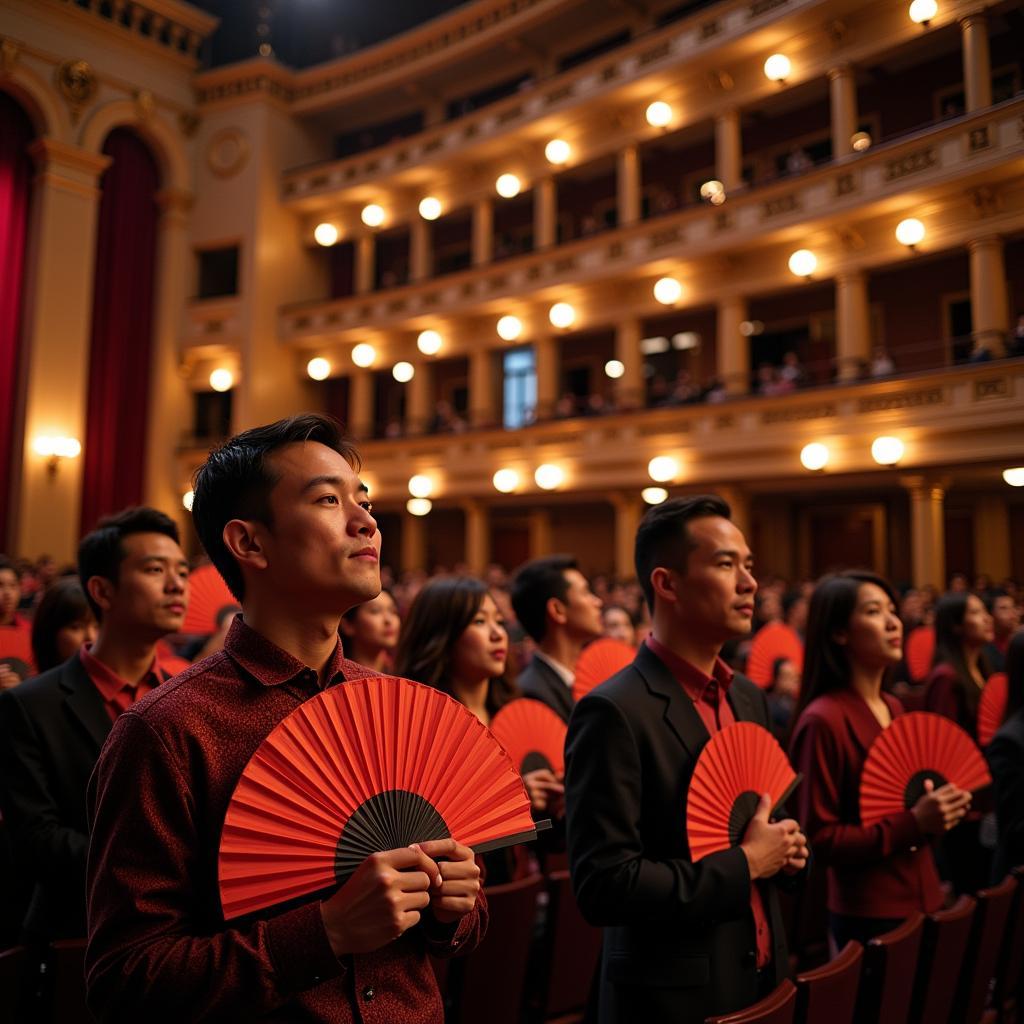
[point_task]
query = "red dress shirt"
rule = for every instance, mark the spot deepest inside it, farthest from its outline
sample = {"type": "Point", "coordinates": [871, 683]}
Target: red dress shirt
{"type": "Point", "coordinates": [882, 870]}
{"type": "Point", "coordinates": [117, 693]}
{"type": "Point", "coordinates": [708, 694]}
{"type": "Point", "coordinates": [159, 948]}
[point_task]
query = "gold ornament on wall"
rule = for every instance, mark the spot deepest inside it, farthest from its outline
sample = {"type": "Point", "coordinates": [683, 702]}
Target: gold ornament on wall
{"type": "Point", "coordinates": [10, 51]}
{"type": "Point", "coordinates": [145, 104]}
{"type": "Point", "coordinates": [76, 82]}
{"type": "Point", "coordinates": [227, 152]}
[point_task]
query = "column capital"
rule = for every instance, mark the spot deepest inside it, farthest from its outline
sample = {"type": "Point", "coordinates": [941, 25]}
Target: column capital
{"type": "Point", "coordinates": [844, 70]}
{"type": "Point", "coordinates": [68, 168]}
{"type": "Point", "coordinates": [973, 18]}
{"type": "Point", "coordinates": [985, 242]}
{"type": "Point", "coordinates": [851, 275]}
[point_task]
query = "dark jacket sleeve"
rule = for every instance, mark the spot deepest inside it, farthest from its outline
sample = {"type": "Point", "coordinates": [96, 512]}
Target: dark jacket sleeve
{"type": "Point", "coordinates": [615, 882]}
{"type": "Point", "coordinates": [42, 844]}
{"type": "Point", "coordinates": [1006, 761]}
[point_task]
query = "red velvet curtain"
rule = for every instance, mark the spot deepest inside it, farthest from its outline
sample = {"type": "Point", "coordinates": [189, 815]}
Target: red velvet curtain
{"type": "Point", "coordinates": [16, 132]}
{"type": "Point", "coordinates": [122, 329]}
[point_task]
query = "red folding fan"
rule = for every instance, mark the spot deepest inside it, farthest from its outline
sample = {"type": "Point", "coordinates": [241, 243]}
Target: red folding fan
{"type": "Point", "coordinates": [598, 662]}
{"type": "Point", "coordinates": [207, 595]}
{"type": "Point", "coordinates": [992, 707]}
{"type": "Point", "coordinates": [533, 734]}
{"type": "Point", "coordinates": [772, 641]}
{"type": "Point", "coordinates": [737, 765]}
{"type": "Point", "coordinates": [917, 747]}
{"type": "Point", "coordinates": [918, 651]}
{"type": "Point", "coordinates": [369, 765]}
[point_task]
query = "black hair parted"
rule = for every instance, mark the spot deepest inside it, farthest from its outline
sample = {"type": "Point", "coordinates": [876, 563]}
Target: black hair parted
{"type": "Point", "coordinates": [663, 540]}
{"type": "Point", "coordinates": [236, 481]}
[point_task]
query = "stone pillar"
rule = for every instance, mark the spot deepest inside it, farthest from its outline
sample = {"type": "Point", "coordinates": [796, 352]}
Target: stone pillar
{"type": "Point", "coordinates": [545, 350]}
{"type": "Point", "coordinates": [927, 532]}
{"type": "Point", "coordinates": [729, 150]}
{"type": "Point", "coordinates": [628, 185]}
{"type": "Point", "coordinates": [629, 388]}
{"type": "Point", "coordinates": [990, 306]}
{"type": "Point", "coordinates": [366, 263]}
{"type": "Point", "coordinates": [732, 350]}
{"type": "Point", "coordinates": [843, 96]}
{"type": "Point", "coordinates": [977, 61]}
{"type": "Point", "coordinates": [853, 324]}
{"type": "Point", "coordinates": [168, 390]}
{"type": "Point", "coordinates": [419, 399]}
{"type": "Point", "coordinates": [478, 537]}
{"type": "Point", "coordinates": [541, 537]}
{"type": "Point", "coordinates": [483, 231]}
{"type": "Point", "coordinates": [414, 543]}
{"type": "Point", "coordinates": [481, 388]}
{"type": "Point", "coordinates": [629, 510]}
{"type": "Point", "coordinates": [545, 213]}
{"type": "Point", "coordinates": [360, 404]}
{"type": "Point", "coordinates": [992, 547]}
{"type": "Point", "coordinates": [56, 330]}
{"type": "Point", "coordinates": [420, 253]}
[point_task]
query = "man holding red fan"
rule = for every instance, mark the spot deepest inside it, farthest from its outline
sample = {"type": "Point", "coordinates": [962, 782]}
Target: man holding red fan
{"type": "Point", "coordinates": [285, 519]}
{"type": "Point", "coordinates": [683, 939]}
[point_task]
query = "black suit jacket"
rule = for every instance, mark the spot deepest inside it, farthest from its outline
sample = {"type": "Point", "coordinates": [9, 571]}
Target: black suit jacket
{"type": "Point", "coordinates": [540, 681]}
{"type": "Point", "coordinates": [51, 731]}
{"type": "Point", "coordinates": [679, 938]}
{"type": "Point", "coordinates": [1005, 755]}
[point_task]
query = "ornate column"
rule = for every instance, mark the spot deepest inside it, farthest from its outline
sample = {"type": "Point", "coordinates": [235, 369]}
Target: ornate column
{"type": "Point", "coordinates": [990, 305]}
{"type": "Point", "coordinates": [732, 350]}
{"type": "Point", "coordinates": [366, 263]}
{"type": "Point", "coordinates": [729, 150]}
{"type": "Point", "coordinates": [977, 61]}
{"type": "Point", "coordinates": [992, 543]}
{"type": "Point", "coordinates": [545, 213]}
{"type": "Point", "coordinates": [420, 254]}
{"type": "Point", "coordinates": [629, 388]}
{"type": "Point", "coordinates": [843, 96]}
{"type": "Point", "coordinates": [545, 350]}
{"type": "Point", "coordinates": [628, 185]}
{"type": "Point", "coordinates": [853, 331]}
{"type": "Point", "coordinates": [419, 404]}
{"type": "Point", "coordinates": [481, 387]}
{"type": "Point", "coordinates": [927, 532]}
{"type": "Point", "coordinates": [541, 540]}
{"type": "Point", "coordinates": [483, 231]}
{"type": "Point", "coordinates": [629, 510]}
{"type": "Point", "coordinates": [360, 404]}
{"type": "Point", "coordinates": [478, 536]}
{"type": "Point", "coordinates": [414, 542]}
{"type": "Point", "coordinates": [56, 331]}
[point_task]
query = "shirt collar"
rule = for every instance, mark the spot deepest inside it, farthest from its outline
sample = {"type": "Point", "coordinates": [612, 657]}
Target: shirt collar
{"type": "Point", "coordinates": [268, 664]}
{"type": "Point", "coordinates": [692, 679]}
{"type": "Point", "coordinates": [106, 680]}
{"type": "Point", "coordinates": [565, 674]}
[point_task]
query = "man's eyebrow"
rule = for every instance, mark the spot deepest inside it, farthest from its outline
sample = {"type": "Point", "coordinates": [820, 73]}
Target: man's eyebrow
{"type": "Point", "coordinates": [317, 481]}
{"type": "Point", "coordinates": [361, 488]}
{"type": "Point", "coordinates": [733, 553]}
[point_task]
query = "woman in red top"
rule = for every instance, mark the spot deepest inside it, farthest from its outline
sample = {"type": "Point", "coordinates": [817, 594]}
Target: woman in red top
{"type": "Point", "coordinates": [878, 874]}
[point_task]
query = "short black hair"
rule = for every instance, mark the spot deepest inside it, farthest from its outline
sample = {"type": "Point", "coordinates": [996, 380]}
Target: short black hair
{"type": "Point", "coordinates": [663, 539]}
{"type": "Point", "coordinates": [64, 603]}
{"type": "Point", "coordinates": [236, 480]}
{"type": "Point", "coordinates": [6, 563]}
{"type": "Point", "coordinates": [789, 599]}
{"type": "Point", "coordinates": [991, 596]}
{"type": "Point", "coordinates": [534, 584]}
{"type": "Point", "coordinates": [100, 552]}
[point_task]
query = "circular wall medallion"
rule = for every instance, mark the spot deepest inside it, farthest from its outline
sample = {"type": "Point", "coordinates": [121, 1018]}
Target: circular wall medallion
{"type": "Point", "coordinates": [227, 152]}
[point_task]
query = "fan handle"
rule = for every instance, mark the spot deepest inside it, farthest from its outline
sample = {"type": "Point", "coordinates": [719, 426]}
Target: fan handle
{"type": "Point", "coordinates": [513, 840]}
{"type": "Point", "coordinates": [787, 793]}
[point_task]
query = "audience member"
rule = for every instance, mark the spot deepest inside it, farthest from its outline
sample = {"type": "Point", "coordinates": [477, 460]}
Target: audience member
{"type": "Point", "coordinates": [783, 694]}
{"type": "Point", "coordinates": [369, 632]}
{"type": "Point", "coordinates": [1005, 622]}
{"type": "Point", "coordinates": [1006, 759]}
{"type": "Point", "coordinates": [15, 630]}
{"type": "Point", "coordinates": [618, 624]}
{"type": "Point", "coordinates": [63, 622]}
{"type": "Point", "coordinates": [215, 641]}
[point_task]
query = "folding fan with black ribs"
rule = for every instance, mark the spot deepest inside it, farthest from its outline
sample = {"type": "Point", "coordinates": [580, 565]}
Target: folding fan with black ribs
{"type": "Point", "coordinates": [207, 595]}
{"type": "Point", "coordinates": [773, 641]}
{"type": "Point", "coordinates": [533, 734]}
{"type": "Point", "coordinates": [992, 707]}
{"type": "Point", "coordinates": [737, 765]}
{"type": "Point", "coordinates": [598, 662]}
{"type": "Point", "coordinates": [368, 765]}
{"type": "Point", "coordinates": [917, 747]}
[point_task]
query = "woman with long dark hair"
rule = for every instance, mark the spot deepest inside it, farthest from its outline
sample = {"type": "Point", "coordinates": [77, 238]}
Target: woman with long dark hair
{"type": "Point", "coordinates": [369, 632]}
{"type": "Point", "coordinates": [1006, 760]}
{"type": "Point", "coordinates": [62, 623]}
{"type": "Point", "coordinates": [878, 874]}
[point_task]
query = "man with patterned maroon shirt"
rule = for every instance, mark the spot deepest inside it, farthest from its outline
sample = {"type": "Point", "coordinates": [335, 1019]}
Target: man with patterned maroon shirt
{"type": "Point", "coordinates": [285, 519]}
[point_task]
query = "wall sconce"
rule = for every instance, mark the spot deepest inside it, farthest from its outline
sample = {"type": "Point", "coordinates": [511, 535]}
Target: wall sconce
{"type": "Point", "coordinates": [777, 68]}
{"type": "Point", "coordinates": [814, 456]}
{"type": "Point", "coordinates": [887, 451]}
{"type": "Point", "coordinates": [56, 449]}
{"type": "Point", "coordinates": [921, 12]}
{"type": "Point", "coordinates": [910, 232]}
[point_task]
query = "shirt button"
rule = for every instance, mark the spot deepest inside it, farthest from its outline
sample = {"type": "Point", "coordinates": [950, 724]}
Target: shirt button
{"type": "Point", "coordinates": [368, 993]}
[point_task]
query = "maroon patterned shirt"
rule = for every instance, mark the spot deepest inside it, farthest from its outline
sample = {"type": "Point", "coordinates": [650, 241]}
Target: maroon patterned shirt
{"type": "Point", "coordinates": [159, 948]}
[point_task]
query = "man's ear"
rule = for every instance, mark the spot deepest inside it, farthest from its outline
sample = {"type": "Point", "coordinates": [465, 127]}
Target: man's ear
{"type": "Point", "coordinates": [556, 611]}
{"type": "Point", "coordinates": [243, 538]}
{"type": "Point", "coordinates": [102, 591]}
{"type": "Point", "coordinates": [665, 584]}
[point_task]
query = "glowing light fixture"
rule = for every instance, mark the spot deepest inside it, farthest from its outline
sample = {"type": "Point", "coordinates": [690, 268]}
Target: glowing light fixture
{"type": "Point", "coordinates": [887, 451]}
{"type": "Point", "coordinates": [922, 11]}
{"type": "Point", "coordinates": [326, 233]}
{"type": "Point", "coordinates": [429, 342]}
{"type": "Point", "coordinates": [910, 232]}
{"type": "Point", "coordinates": [186, 500]}
{"type": "Point", "coordinates": [860, 141]}
{"type": "Point", "coordinates": [562, 315]}
{"type": "Point", "coordinates": [430, 207]}
{"type": "Point", "coordinates": [777, 67]}
{"type": "Point", "coordinates": [803, 263]}
{"type": "Point", "coordinates": [418, 506]}
{"type": "Point", "coordinates": [814, 456]}
{"type": "Point", "coordinates": [557, 152]}
{"type": "Point", "coordinates": [663, 468]}
{"type": "Point", "coordinates": [712, 188]}
{"type": "Point", "coordinates": [1015, 476]}
{"type": "Point", "coordinates": [421, 486]}
{"type": "Point", "coordinates": [509, 328]}
{"type": "Point", "coordinates": [318, 368]}
{"type": "Point", "coordinates": [222, 379]}
{"type": "Point", "coordinates": [56, 450]}
{"type": "Point", "coordinates": [654, 495]}
{"type": "Point", "coordinates": [403, 372]}
{"type": "Point", "coordinates": [658, 114]}
{"type": "Point", "coordinates": [372, 215]}
{"type": "Point", "coordinates": [614, 368]}
{"type": "Point", "coordinates": [549, 476]}
{"type": "Point", "coordinates": [668, 291]}
{"type": "Point", "coordinates": [364, 355]}
{"type": "Point", "coordinates": [508, 186]}
{"type": "Point", "coordinates": [505, 480]}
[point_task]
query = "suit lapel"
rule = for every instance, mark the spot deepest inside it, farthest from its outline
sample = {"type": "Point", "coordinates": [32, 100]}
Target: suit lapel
{"type": "Point", "coordinates": [83, 702]}
{"type": "Point", "coordinates": [678, 710]}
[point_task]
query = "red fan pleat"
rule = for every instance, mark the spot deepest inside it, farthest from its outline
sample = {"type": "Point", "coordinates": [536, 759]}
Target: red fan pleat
{"type": "Point", "coordinates": [992, 707]}
{"type": "Point", "coordinates": [916, 747]}
{"type": "Point", "coordinates": [918, 652]}
{"type": "Point", "coordinates": [533, 734]}
{"type": "Point", "coordinates": [772, 641]}
{"type": "Point", "coordinates": [207, 595]}
{"type": "Point", "coordinates": [369, 765]}
{"type": "Point", "coordinates": [737, 765]}
{"type": "Point", "coordinates": [598, 662]}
